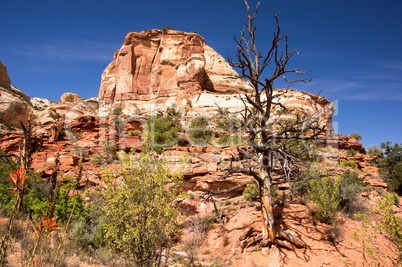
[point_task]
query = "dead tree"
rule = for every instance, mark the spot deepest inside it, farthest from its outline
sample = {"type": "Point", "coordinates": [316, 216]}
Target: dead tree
{"type": "Point", "coordinates": [273, 131]}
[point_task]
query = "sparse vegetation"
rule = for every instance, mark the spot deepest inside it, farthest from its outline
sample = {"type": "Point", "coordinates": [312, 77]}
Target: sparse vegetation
{"type": "Point", "coordinates": [349, 163]}
{"type": "Point", "coordinates": [134, 133]}
{"type": "Point", "coordinates": [161, 129]}
{"type": "Point", "coordinates": [54, 115]}
{"type": "Point", "coordinates": [391, 165]}
{"type": "Point", "coordinates": [351, 152]}
{"type": "Point", "coordinates": [356, 136]}
{"type": "Point", "coordinates": [350, 186]}
{"type": "Point", "coordinates": [140, 216]}
{"type": "Point", "coordinates": [251, 192]}
{"type": "Point", "coordinates": [199, 132]}
{"type": "Point", "coordinates": [325, 194]}
{"type": "Point", "coordinates": [117, 111]}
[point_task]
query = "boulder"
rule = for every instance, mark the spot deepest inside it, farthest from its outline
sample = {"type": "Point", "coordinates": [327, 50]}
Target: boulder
{"type": "Point", "coordinates": [70, 98]}
{"type": "Point", "coordinates": [13, 108]}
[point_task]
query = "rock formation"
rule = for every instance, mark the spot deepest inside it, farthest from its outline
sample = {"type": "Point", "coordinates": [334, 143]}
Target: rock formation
{"type": "Point", "coordinates": [4, 78]}
{"type": "Point", "coordinates": [158, 67]}
{"type": "Point", "coordinates": [14, 104]}
{"type": "Point", "coordinates": [69, 97]}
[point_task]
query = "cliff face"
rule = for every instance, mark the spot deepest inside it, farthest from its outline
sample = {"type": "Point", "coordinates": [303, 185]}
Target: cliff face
{"type": "Point", "coordinates": [14, 107]}
{"type": "Point", "coordinates": [162, 67]}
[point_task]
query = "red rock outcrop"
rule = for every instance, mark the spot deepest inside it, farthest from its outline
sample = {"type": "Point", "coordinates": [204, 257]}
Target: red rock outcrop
{"type": "Point", "coordinates": [4, 78]}
{"type": "Point", "coordinates": [165, 67]}
{"type": "Point", "coordinates": [14, 104]}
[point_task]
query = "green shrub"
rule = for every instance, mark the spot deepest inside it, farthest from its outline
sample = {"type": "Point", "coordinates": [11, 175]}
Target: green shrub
{"type": "Point", "coordinates": [119, 124]}
{"type": "Point", "coordinates": [349, 163]}
{"type": "Point", "coordinates": [349, 189]}
{"type": "Point", "coordinates": [134, 133]}
{"type": "Point", "coordinates": [140, 215]}
{"type": "Point", "coordinates": [391, 165]}
{"type": "Point", "coordinates": [54, 115]}
{"type": "Point", "coordinates": [110, 153]}
{"type": "Point", "coordinates": [324, 193]}
{"type": "Point", "coordinates": [7, 165]}
{"type": "Point", "coordinates": [223, 140]}
{"type": "Point", "coordinates": [351, 152]}
{"type": "Point", "coordinates": [117, 111]}
{"type": "Point", "coordinates": [199, 132]}
{"type": "Point", "coordinates": [375, 151]}
{"type": "Point", "coordinates": [356, 136]}
{"type": "Point", "coordinates": [251, 192]}
{"type": "Point", "coordinates": [300, 187]}
{"type": "Point", "coordinates": [88, 233]}
{"type": "Point", "coordinates": [189, 103]}
{"type": "Point", "coordinates": [162, 130]}
{"type": "Point", "coordinates": [9, 126]}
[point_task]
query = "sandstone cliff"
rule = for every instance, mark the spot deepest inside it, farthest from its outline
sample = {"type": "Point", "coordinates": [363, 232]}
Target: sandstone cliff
{"type": "Point", "coordinates": [156, 67]}
{"type": "Point", "coordinates": [14, 104]}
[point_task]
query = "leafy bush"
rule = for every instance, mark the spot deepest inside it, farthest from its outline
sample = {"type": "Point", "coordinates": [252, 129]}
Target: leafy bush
{"type": "Point", "coordinates": [134, 133]}
{"type": "Point", "coordinates": [251, 192]}
{"type": "Point", "coordinates": [300, 187]}
{"type": "Point", "coordinates": [351, 152]}
{"type": "Point", "coordinates": [224, 140]}
{"type": "Point", "coordinates": [117, 111]}
{"type": "Point", "coordinates": [162, 130]}
{"type": "Point", "coordinates": [199, 132]}
{"type": "Point", "coordinates": [324, 193]}
{"type": "Point", "coordinates": [119, 124]}
{"type": "Point", "coordinates": [356, 136]}
{"type": "Point", "coordinates": [349, 163]}
{"type": "Point", "coordinates": [375, 151]}
{"type": "Point", "coordinates": [391, 165]}
{"type": "Point", "coordinates": [7, 165]}
{"type": "Point", "coordinates": [349, 189]}
{"type": "Point", "coordinates": [88, 233]}
{"type": "Point", "coordinates": [140, 215]}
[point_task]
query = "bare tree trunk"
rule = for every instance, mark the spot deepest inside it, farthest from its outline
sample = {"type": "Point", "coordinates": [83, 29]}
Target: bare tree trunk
{"type": "Point", "coordinates": [269, 228]}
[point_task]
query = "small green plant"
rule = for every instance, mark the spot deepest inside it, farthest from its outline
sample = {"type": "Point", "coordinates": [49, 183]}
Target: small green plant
{"type": "Point", "coordinates": [349, 163]}
{"type": "Point", "coordinates": [324, 193]}
{"type": "Point", "coordinates": [161, 130]}
{"type": "Point", "coordinates": [117, 111]}
{"type": "Point", "coordinates": [223, 140]}
{"type": "Point", "coordinates": [199, 132]}
{"type": "Point", "coordinates": [380, 219]}
{"type": "Point", "coordinates": [134, 133]}
{"type": "Point", "coordinates": [9, 126]}
{"type": "Point", "coordinates": [349, 189]}
{"type": "Point", "coordinates": [356, 136]}
{"type": "Point", "coordinates": [251, 192]}
{"type": "Point", "coordinates": [351, 152]}
{"type": "Point", "coordinates": [54, 115]}
{"type": "Point", "coordinates": [189, 103]}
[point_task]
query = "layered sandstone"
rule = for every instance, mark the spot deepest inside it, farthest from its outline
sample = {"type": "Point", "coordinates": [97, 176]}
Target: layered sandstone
{"type": "Point", "coordinates": [156, 67]}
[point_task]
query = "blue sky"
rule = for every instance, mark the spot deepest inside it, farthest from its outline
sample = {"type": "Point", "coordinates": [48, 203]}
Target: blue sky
{"type": "Point", "coordinates": [353, 48]}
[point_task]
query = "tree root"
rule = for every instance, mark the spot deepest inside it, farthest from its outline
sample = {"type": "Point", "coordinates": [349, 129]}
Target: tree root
{"type": "Point", "coordinates": [253, 236]}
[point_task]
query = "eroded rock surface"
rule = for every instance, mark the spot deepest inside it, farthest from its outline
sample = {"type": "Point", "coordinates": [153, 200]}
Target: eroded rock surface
{"type": "Point", "coordinates": [157, 67]}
